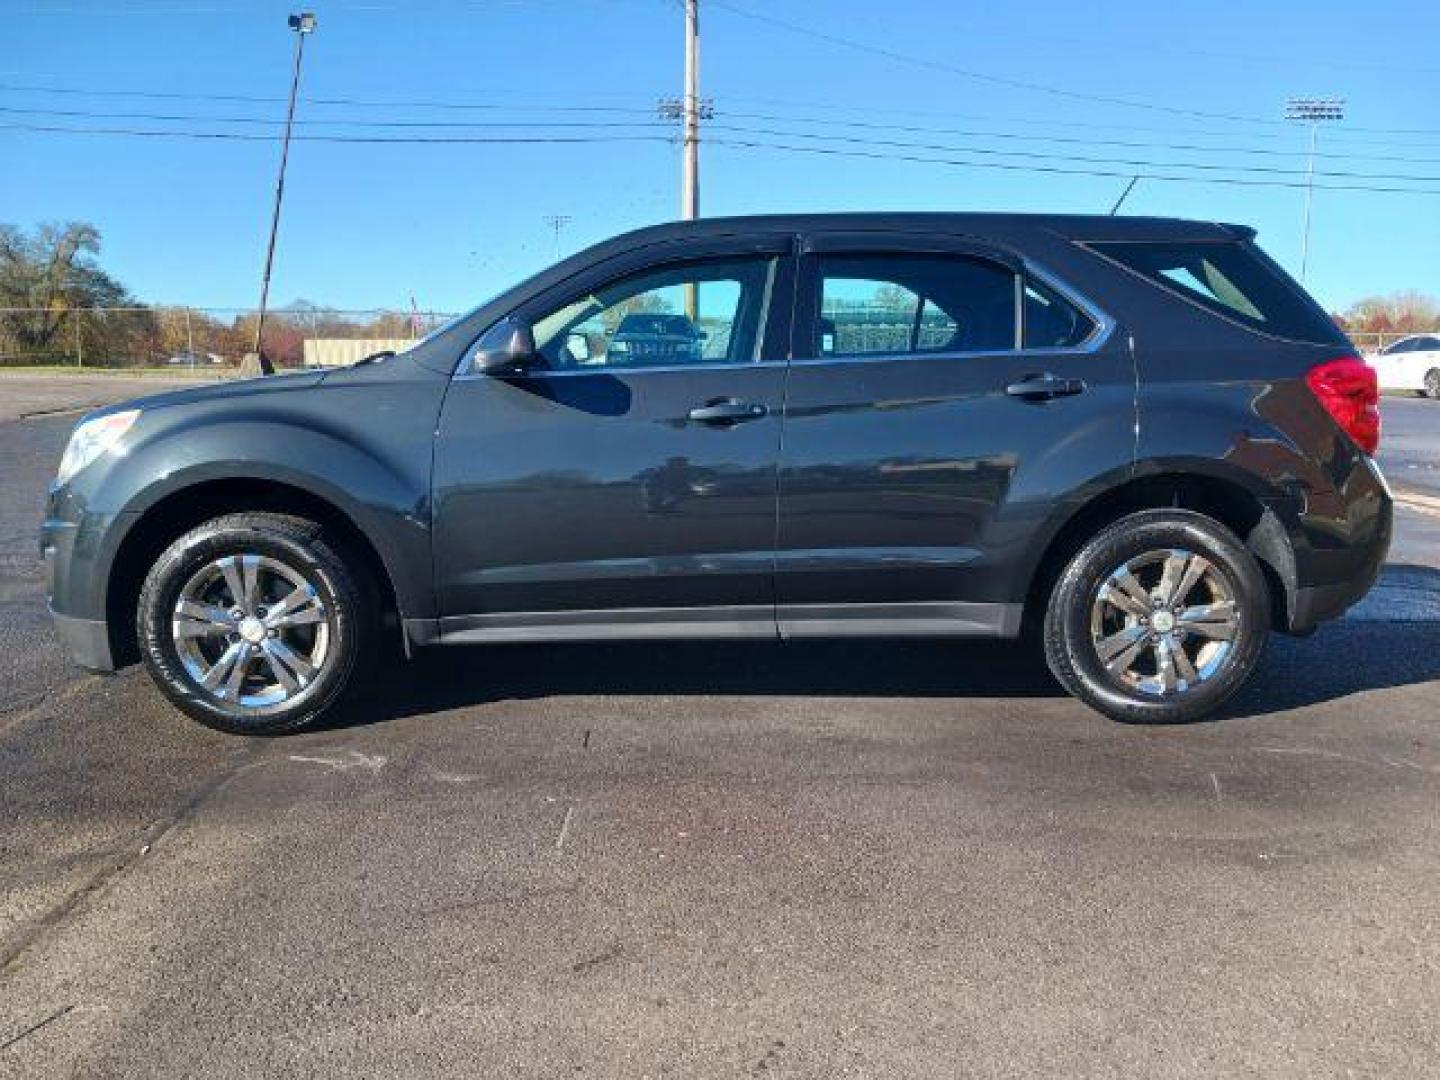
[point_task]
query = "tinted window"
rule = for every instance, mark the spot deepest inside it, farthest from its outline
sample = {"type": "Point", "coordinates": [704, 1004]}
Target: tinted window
{"type": "Point", "coordinates": [1231, 279]}
{"type": "Point", "coordinates": [706, 313]}
{"type": "Point", "coordinates": [1051, 321]}
{"type": "Point", "coordinates": [897, 304]}
{"type": "Point", "coordinates": [1399, 347]}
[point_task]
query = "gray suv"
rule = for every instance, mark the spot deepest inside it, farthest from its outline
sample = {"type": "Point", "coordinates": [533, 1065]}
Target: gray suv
{"type": "Point", "coordinates": [1137, 437]}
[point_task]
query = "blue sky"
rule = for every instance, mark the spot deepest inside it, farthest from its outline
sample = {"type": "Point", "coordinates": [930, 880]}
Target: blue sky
{"type": "Point", "coordinates": [370, 224]}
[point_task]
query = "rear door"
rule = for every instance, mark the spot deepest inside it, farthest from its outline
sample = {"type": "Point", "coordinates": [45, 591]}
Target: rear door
{"type": "Point", "coordinates": [941, 397]}
{"type": "Point", "coordinates": [625, 485]}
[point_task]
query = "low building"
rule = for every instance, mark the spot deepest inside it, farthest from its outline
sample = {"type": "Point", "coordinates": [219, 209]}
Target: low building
{"type": "Point", "coordinates": [337, 352]}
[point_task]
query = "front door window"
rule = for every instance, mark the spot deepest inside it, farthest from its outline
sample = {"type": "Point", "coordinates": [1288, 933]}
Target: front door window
{"type": "Point", "coordinates": [701, 313]}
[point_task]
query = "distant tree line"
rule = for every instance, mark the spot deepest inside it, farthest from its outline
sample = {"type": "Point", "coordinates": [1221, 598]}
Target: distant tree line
{"type": "Point", "coordinates": [1408, 312]}
{"type": "Point", "coordinates": [61, 307]}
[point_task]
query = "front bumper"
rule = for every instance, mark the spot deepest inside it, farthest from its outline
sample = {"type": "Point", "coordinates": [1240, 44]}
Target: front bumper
{"type": "Point", "coordinates": [71, 544]}
{"type": "Point", "coordinates": [86, 641]}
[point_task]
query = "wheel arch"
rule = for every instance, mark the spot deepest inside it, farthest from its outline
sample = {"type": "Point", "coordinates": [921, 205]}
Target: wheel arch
{"type": "Point", "coordinates": [1228, 500]}
{"type": "Point", "coordinates": [183, 508]}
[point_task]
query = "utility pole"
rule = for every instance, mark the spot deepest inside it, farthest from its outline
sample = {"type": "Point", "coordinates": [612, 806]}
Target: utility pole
{"type": "Point", "coordinates": [303, 25]}
{"type": "Point", "coordinates": [556, 222]}
{"type": "Point", "coordinates": [1312, 111]}
{"type": "Point", "coordinates": [690, 109]}
{"type": "Point", "coordinates": [690, 180]}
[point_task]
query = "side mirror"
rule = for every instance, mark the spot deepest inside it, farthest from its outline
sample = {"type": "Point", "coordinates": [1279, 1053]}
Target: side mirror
{"type": "Point", "coordinates": [507, 348]}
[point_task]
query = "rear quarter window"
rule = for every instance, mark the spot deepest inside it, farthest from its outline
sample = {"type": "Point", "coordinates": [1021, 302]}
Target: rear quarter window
{"type": "Point", "coordinates": [1233, 279]}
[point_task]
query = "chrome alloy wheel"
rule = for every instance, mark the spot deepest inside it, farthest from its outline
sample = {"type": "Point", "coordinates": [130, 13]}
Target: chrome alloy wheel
{"type": "Point", "coordinates": [251, 631]}
{"type": "Point", "coordinates": [1164, 622]}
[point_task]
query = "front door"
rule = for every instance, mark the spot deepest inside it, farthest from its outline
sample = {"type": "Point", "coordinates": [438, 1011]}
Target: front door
{"type": "Point", "coordinates": [625, 485]}
{"type": "Point", "coordinates": [940, 398]}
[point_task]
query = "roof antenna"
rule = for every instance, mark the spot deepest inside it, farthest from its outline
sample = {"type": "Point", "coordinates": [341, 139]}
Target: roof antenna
{"type": "Point", "coordinates": [1124, 194]}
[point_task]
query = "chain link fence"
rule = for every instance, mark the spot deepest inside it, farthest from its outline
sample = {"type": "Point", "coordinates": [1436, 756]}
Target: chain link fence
{"type": "Point", "coordinates": [173, 336]}
{"type": "Point", "coordinates": [166, 336]}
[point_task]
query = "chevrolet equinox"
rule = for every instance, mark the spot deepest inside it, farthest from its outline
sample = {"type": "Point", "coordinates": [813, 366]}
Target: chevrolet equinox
{"type": "Point", "coordinates": [1136, 436]}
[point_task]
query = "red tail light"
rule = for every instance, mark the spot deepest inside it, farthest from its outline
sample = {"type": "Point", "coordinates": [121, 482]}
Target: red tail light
{"type": "Point", "coordinates": [1348, 389]}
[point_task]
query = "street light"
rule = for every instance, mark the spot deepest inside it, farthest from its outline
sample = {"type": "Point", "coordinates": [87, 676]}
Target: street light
{"type": "Point", "coordinates": [1312, 111]}
{"type": "Point", "coordinates": [302, 24]}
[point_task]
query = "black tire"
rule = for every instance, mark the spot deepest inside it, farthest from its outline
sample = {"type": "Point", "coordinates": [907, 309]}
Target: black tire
{"type": "Point", "coordinates": [1070, 638]}
{"type": "Point", "coordinates": [1432, 383]}
{"type": "Point", "coordinates": [302, 547]}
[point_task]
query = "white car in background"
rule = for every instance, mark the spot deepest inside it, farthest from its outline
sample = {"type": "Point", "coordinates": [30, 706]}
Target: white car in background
{"type": "Point", "coordinates": [1412, 363]}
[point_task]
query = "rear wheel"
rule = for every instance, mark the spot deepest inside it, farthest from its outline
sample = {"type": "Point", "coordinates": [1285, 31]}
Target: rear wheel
{"type": "Point", "coordinates": [1432, 383]}
{"type": "Point", "coordinates": [1158, 619]}
{"type": "Point", "coordinates": [253, 623]}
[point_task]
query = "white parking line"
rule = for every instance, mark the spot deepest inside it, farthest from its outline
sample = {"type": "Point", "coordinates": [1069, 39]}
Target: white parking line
{"type": "Point", "coordinates": [1429, 505]}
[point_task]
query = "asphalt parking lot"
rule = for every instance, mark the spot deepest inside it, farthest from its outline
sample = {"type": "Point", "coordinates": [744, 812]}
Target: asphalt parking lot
{"type": "Point", "coordinates": [858, 859]}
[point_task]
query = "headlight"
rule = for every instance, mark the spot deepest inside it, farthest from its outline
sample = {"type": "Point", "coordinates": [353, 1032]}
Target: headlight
{"type": "Point", "coordinates": [93, 438]}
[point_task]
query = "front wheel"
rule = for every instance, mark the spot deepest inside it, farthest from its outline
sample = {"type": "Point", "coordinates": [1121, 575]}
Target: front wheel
{"type": "Point", "coordinates": [1158, 619]}
{"type": "Point", "coordinates": [1432, 383]}
{"type": "Point", "coordinates": [253, 623]}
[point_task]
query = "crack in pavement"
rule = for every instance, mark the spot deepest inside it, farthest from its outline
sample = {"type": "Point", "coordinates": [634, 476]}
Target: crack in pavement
{"type": "Point", "coordinates": [56, 1015]}
{"type": "Point", "coordinates": [60, 913]}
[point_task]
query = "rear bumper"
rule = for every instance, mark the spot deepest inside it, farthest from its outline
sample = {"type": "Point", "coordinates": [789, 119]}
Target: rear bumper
{"type": "Point", "coordinates": [1340, 553]}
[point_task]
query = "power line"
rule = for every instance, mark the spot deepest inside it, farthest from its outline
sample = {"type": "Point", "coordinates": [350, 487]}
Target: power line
{"type": "Point", "coordinates": [982, 76]}
{"type": "Point", "coordinates": [1125, 167]}
{"type": "Point", "coordinates": [1048, 121]}
{"type": "Point", "coordinates": [746, 129]}
{"type": "Point", "coordinates": [1342, 134]}
{"type": "Point", "coordinates": [1131, 163]}
{"type": "Point", "coordinates": [829, 151]}
{"type": "Point", "coordinates": [259, 99]}
{"type": "Point", "coordinates": [1018, 84]}
{"type": "Point", "coordinates": [859, 125]}
{"type": "Point", "coordinates": [240, 136]}
{"type": "Point", "coordinates": [1135, 144]}
{"type": "Point", "coordinates": [754, 144]}
{"type": "Point", "coordinates": [88, 114]}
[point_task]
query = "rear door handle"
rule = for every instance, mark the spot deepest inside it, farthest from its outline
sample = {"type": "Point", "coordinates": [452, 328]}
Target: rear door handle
{"type": "Point", "coordinates": [1044, 387]}
{"type": "Point", "coordinates": [727, 411]}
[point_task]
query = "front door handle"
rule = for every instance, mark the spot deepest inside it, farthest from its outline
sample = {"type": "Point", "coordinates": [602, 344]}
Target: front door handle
{"type": "Point", "coordinates": [727, 411]}
{"type": "Point", "coordinates": [1044, 387]}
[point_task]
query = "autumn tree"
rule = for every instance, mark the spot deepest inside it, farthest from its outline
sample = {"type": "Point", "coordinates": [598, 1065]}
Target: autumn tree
{"type": "Point", "coordinates": [52, 274]}
{"type": "Point", "coordinates": [1408, 312]}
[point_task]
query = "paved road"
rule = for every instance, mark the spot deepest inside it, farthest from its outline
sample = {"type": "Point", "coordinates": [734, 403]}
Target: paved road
{"type": "Point", "coordinates": [23, 396]}
{"type": "Point", "coordinates": [828, 860]}
{"type": "Point", "coordinates": [1410, 444]}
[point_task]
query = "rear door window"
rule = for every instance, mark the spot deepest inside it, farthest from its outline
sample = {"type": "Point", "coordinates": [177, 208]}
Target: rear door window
{"type": "Point", "coordinates": [874, 305]}
{"type": "Point", "coordinates": [1230, 278]}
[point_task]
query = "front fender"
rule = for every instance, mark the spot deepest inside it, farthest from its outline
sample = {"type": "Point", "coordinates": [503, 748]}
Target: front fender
{"type": "Point", "coordinates": [365, 452]}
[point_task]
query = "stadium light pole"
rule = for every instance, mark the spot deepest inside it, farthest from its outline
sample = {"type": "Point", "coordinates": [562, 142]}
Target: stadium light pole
{"type": "Point", "coordinates": [556, 222]}
{"type": "Point", "coordinates": [1312, 111]}
{"type": "Point", "coordinates": [303, 25]}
